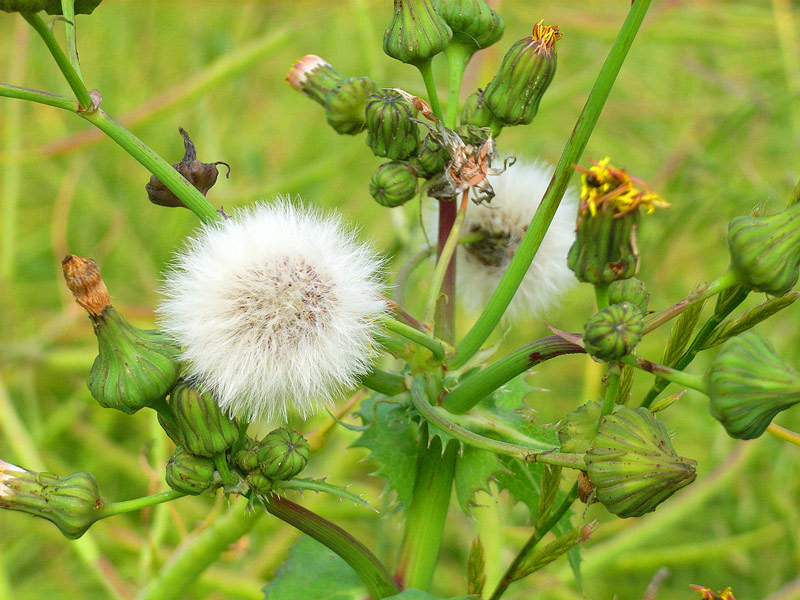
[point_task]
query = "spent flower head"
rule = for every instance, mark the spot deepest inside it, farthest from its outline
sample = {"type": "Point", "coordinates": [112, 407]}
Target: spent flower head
{"type": "Point", "coordinates": [275, 309]}
{"type": "Point", "coordinates": [501, 225]}
{"type": "Point", "coordinates": [603, 184]}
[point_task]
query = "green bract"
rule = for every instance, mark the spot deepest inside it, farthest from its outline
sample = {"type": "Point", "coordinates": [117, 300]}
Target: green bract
{"type": "Point", "coordinates": [475, 112]}
{"type": "Point", "coordinates": [417, 32]}
{"type": "Point", "coordinates": [189, 473]}
{"type": "Point", "coordinates": [631, 290]}
{"type": "Point", "coordinates": [632, 464]}
{"type": "Point", "coordinates": [393, 184]}
{"type": "Point", "coordinates": [749, 384]}
{"type": "Point", "coordinates": [605, 247]}
{"type": "Point", "coordinates": [613, 332]}
{"type": "Point", "coordinates": [344, 105]}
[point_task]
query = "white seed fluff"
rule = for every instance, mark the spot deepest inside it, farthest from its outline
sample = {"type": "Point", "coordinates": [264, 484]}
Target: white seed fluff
{"type": "Point", "coordinates": [503, 222]}
{"type": "Point", "coordinates": [275, 309]}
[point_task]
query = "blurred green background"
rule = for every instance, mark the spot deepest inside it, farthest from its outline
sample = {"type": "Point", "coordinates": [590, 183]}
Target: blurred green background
{"type": "Point", "coordinates": [706, 109]}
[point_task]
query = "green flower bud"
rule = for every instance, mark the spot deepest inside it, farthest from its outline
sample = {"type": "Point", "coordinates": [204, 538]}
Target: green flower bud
{"type": "Point", "coordinates": [613, 332]}
{"type": "Point", "coordinates": [189, 473]}
{"type": "Point", "coordinates": [633, 465]}
{"type": "Point", "coordinates": [345, 103]}
{"type": "Point", "coordinates": [475, 112]}
{"type": "Point", "coordinates": [390, 130]}
{"type": "Point", "coordinates": [283, 454]}
{"type": "Point", "coordinates": [765, 251]}
{"type": "Point", "coordinates": [748, 385]}
{"type": "Point", "coordinates": [200, 426]}
{"type": "Point", "coordinates": [417, 32]}
{"type": "Point", "coordinates": [430, 159]}
{"type": "Point", "coordinates": [68, 502]}
{"type": "Point", "coordinates": [53, 7]}
{"type": "Point", "coordinates": [315, 77]}
{"type": "Point", "coordinates": [134, 367]}
{"type": "Point", "coordinates": [629, 290]}
{"type": "Point", "coordinates": [524, 76]}
{"type": "Point", "coordinates": [393, 184]}
{"type": "Point", "coordinates": [473, 22]}
{"type": "Point", "coordinates": [258, 482]}
{"type": "Point", "coordinates": [246, 458]}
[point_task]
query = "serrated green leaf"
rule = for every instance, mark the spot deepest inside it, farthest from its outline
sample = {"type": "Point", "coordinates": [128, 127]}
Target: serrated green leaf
{"type": "Point", "coordinates": [748, 319]}
{"type": "Point", "coordinates": [551, 478]}
{"type": "Point", "coordinates": [523, 482]}
{"type": "Point", "coordinates": [320, 485]}
{"type": "Point", "coordinates": [681, 333]}
{"type": "Point", "coordinates": [391, 438]}
{"type": "Point", "coordinates": [314, 571]}
{"type": "Point", "coordinates": [476, 569]}
{"type": "Point", "coordinates": [511, 395]}
{"type": "Point", "coordinates": [412, 594]}
{"type": "Point", "coordinates": [474, 469]}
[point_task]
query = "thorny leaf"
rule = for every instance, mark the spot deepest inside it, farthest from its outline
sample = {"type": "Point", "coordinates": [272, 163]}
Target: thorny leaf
{"type": "Point", "coordinates": [750, 318]}
{"type": "Point", "coordinates": [320, 485]}
{"type": "Point", "coordinates": [474, 469]}
{"type": "Point", "coordinates": [201, 175]}
{"type": "Point", "coordinates": [391, 438]}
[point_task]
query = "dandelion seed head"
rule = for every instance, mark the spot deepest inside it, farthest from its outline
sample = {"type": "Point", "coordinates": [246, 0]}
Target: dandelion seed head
{"type": "Point", "coordinates": [275, 309]}
{"type": "Point", "coordinates": [502, 223]}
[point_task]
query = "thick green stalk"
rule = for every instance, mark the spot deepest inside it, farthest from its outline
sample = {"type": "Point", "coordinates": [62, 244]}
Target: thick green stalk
{"type": "Point", "coordinates": [576, 144]}
{"type": "Point", "coordinates": [199, 553]}
{"type": "Point", "coordinates": [383, 382]}
{"type": "Point", "coordinates": [117, 508]}
{"type": "Point", "coordinates": [414, 335]}
{"type": "Point", "coordinates": [371, 570]}
{"type": "Point", "coordinates": [476, 387]}
{"type": "Point", "coordinates": [70, 74]}
{"type": "Point", "coordinates": [612, 390]}
{"type": "Point", "coordinates": [458, 56]}
{"type": "Point", "coordinates": [537, 536]}
{"type": "Point", "coordinates": [427, 513]}
{"type": "Point", "coordinates": [697, 343]}
{"type": "Point", "coordinates": [426, 70]}
{"type": "Point", "coordinates": [440, 420]}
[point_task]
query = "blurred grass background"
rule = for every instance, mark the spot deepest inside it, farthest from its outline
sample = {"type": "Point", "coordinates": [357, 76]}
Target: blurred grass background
{"type": "Point", "coordinates": [706, 109]}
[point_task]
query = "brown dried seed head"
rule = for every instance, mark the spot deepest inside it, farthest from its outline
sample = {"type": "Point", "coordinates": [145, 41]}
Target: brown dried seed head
{"type": "Point", "coordinates": [84, 281]}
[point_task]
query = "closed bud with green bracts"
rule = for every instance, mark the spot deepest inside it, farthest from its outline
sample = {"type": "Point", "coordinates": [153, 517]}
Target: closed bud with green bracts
{"type": "Point", "coordinates": [345, 103]}
{"type": "Point", "coordinates": [69, 502]}
{"type": "Point", "coordinates": [393, 184]}
{"type": "Point", "coordinates": [246, 458]}
{"type": "Point", "coordinates": [749, 384]}
{"type": "Point", "coordinates": [613, 332]}
{"type": "Point", "coordinates": [473, 22]}
{"type": "Point", "coordinates": [417, 32]}
{"type": "Point", "coordinates": [315, 77]}
{"type": "Point", "coordinates": [134, 367]}
{"type": "Point", "coordinates": [475, 112]}
{"type": "Point", "coordinates": [631, 290]}
{"type": "Point", "coordinates": [258, 482]}
{"type": "Point", "coordinates": [430, 158]}
{"type": "Point", "coordinates": [765, 251]}
{"type": "Point", "coordinates": [605, 247]}
{"type": "Point", "coordinates": [390, 129]}
{"type": "Point", "coordinates": [283, 454]}
{"type": "Point", "coordinates": [524, 76]}
{"type": "Point", "coordinates": [189, 473]}
{"type": "Point", "coordinates": [53, 7]}
{"type": "Point", "coordinates": [200, 425]}
{"type": "Point", "coordinates": [632, 464]}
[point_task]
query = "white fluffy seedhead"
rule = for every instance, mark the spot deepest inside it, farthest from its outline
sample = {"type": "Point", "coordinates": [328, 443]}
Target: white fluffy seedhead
{"type": "Point", "coordinates": [275, 309]}
{"type": "Point", "coordinates": [503, 222]}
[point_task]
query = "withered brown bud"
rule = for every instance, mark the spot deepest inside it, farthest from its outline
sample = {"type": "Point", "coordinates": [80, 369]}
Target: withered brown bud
{"type": "Point", "coordinates": [201, 175]}
{"type": "Point", "coordinates": [86, 284]}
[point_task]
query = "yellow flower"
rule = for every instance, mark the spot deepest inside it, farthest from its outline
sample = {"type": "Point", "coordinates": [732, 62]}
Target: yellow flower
{"type": "Point", "coordinates": [603, 184]}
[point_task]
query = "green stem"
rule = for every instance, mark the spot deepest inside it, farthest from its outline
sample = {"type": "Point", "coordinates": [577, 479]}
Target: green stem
{"type": "Point", "coordinates": [70, 74]}
{"type": "Point", "coordinates": [601, 294]}
{"type": "Point", "coordinates": [198, 554]}
{"type": "Point", "coordinates": [373, 573]}
{"type": "Point", "coordinates": [383, 382]}
{"type": "Point", "coordinates": [537, 536]}
{"type": "Point", "coordinates": [573, 150]}
{"type": "Point", "coordinates": [457, 56]}
{"type": "Point", "coordinates": [694, 382]}
{"type": "Point", "coordinates": [697, 343]}
{"type": "Point", "coordinates": [437, 418]}
{"type": "Point", "coordinates": [68, 10]}
{"type": "Point", "coordinates": [176, 183]}
{"type": "Point", "coordinates": [415, 335]}
{"type": "Point", "coordinates": [426, 70]}
{"type": "Point", "coordinates": [221, 464]}
{"type": "Point", "coordinates": [443, 264]}
{"type": "Point", "coordinates": [612, 390]}
{"type": "Point", "coordinates": [476, 387]}
{"type": "Point", "coordinates": [787, 435]}
{"type": "Point", "coordinates": [117, 508]}
{"type": "Point", "coordinates": [722, 283]}
{"type": "Point", "coordinates": [427, 513]}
